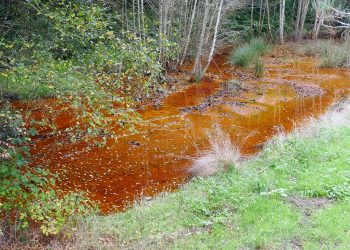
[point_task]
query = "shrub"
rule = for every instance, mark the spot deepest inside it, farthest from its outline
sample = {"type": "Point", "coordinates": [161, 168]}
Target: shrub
{"type": "Point", "coordinates": [245, 55]}
{"type": "Point", "coordinates": [116, 71]}
{"type": "Point", "coordinates": [26, 192]}
{"type": "Point", "coordinates": [260, 46]}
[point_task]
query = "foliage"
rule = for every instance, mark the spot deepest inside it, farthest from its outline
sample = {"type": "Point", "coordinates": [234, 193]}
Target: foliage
{"type": "Point", "coordinates": [76, 27]}
{"type": "Point", "coordinates": [97, 78]}
{"type": "Point", "coordinates": [26, 194]}
{"type": "Point", "coordinates": [245, 55]}
{"type": "Point", "coordinates": [94, 76]}
{"type": "Point", "coordinates": [61, 28]}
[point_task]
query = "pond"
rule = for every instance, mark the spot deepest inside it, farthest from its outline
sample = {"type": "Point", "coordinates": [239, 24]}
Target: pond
{"type": "Point", "coordinates": [157, 159]}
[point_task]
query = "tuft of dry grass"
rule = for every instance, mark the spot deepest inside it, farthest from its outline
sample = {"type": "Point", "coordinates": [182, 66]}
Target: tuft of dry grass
{"type": "Point", "coordinates": [221, 155]}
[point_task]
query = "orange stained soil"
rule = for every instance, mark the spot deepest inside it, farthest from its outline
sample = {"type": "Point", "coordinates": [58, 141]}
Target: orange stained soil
{"type": "Point", "coordinates": [157, 159]}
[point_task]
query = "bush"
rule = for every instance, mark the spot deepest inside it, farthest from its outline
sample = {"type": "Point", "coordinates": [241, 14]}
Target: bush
{"type": "Point", "coordinates": [116, 71]}
{"type": "Point", "coordinates": [26, 192]}
{"type": "Point", "coordinates": [245, 55]}
{"type": "Point", "coordinates": [260, 46]}
{"type": "Point", "coordinates": [333, 58]}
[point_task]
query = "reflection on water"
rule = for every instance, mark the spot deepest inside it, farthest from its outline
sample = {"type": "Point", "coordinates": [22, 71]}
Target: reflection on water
{"type": "Point", "coordinates": [158, 157]}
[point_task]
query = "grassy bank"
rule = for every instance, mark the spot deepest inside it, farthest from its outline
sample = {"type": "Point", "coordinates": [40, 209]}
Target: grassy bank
{"type": "Point", "coordinates": [295, 194]}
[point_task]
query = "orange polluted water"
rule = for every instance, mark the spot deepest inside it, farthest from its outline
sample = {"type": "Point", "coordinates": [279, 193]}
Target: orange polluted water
{"type": "Point", "coordinates": [157, 159]}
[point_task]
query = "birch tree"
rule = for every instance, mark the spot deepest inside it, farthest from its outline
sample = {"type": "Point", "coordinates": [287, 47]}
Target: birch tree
{"type": "Point", "coordinates": [188, 37]}
{"type": "Point", "coordinates": [329, 17]}
{"type": "Point", "coordinates": [211, 53]}
{"type": "Point", "coordinates": [303, 8]}
{"type": "Point", "coordinates": [197, 69]}
{"type": "Point", "coordinates": [282, 19]}
{"type": "Point", "coordinates": [268, 19]}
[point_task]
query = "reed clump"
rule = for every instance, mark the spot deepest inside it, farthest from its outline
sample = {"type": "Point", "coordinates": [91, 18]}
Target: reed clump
{"type": "Point", "coordinates": [333, 54]}
{"type": "Point", "coordinates": [247, 54]}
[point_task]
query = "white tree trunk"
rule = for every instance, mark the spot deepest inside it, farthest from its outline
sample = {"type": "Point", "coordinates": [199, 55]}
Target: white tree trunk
{"type": "Point", "coordinates": [197, 70]}
{"type": "Point", "coordinates": [188, 39]}
{"type": "Point", "coordinates": [269, 19]}
{"type": "Point", "coordinates": [305, 9]}
{"type": "Point", "coordinates": [297, 21]}
{"type": "Point", "coordinates": [282, 18]}
{"type": "Point", "coordinates": [212, 49]}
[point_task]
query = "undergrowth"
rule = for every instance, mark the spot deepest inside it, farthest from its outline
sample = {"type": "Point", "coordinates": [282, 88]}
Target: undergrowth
{"type": "Point", "coordinates": [28, 201]}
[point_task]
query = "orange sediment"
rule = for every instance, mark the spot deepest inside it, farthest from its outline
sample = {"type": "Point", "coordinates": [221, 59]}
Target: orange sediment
{"type": "Point", "coordinates": [158, 157]}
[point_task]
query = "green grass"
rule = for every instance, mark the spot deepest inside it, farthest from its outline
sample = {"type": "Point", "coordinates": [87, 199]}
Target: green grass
{"type": "Point", "coordinates": [330, 228]}
{"type": "Point", "coordinates": [248, 208]}
{"type": "Point", "coordinates": [245, 55]}
{"type": "Point", "coordinates": [46, 79]}
{"type": "Point", "coordinates": [259, 68]}
{"type": "Point", "coordinates": [333, 54]}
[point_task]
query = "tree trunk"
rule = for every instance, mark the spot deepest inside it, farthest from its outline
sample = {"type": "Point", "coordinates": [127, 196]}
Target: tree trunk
{"type": "Point", "coordinates": [305, 9]}
{"type": "Point", "coordinates": [319, 19]}
{"type": "Point", "coordinates": [260, 16]}
{"type": "Point", "coordinates": [268, 19]}
{"type": "Point", "coordinates": [188, 39]}
{"type": "Point", "coordinates": [210, 57]}
{"type": "Point", "coordinates": [282, 18]}
{"type": "Point", "coordinates": [142, 20]}
{"type": "Point", "coordinates": [211, 22]}
{"type": "Point", "coordinates": [252, 17]}
{"type": "Point", "coordinates": [297, 21]}
{"type": "Point", "coordinates": [133, 14]}
{"type": "Point", "coordinates": [198, 65]}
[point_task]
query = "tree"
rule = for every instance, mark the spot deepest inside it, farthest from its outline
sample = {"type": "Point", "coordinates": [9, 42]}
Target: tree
{"type": "Point", "coordinates": [210, 57]}
{"type": "Point", "coordinates": [303, 7]}
{"type": "Point", "coordinates": [329, 17]}
{"type": "Point", "coordinates": [197, 69]}
{"type": "Point", "coordinates": [188, 37]}
{"type": "Point", "coordinates": [282, 19]}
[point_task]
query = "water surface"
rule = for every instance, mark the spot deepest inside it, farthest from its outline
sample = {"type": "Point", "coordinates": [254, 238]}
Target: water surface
{"type": "Point", "coordinates": [157, 159]}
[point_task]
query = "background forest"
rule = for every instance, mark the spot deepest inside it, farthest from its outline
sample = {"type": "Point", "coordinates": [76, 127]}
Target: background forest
{"type": "Point", "coordinates": [105, 58]}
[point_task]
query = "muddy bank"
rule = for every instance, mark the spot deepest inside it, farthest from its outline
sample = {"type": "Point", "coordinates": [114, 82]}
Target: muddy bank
{"type": "Point", "coordinates": [157, 159]}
